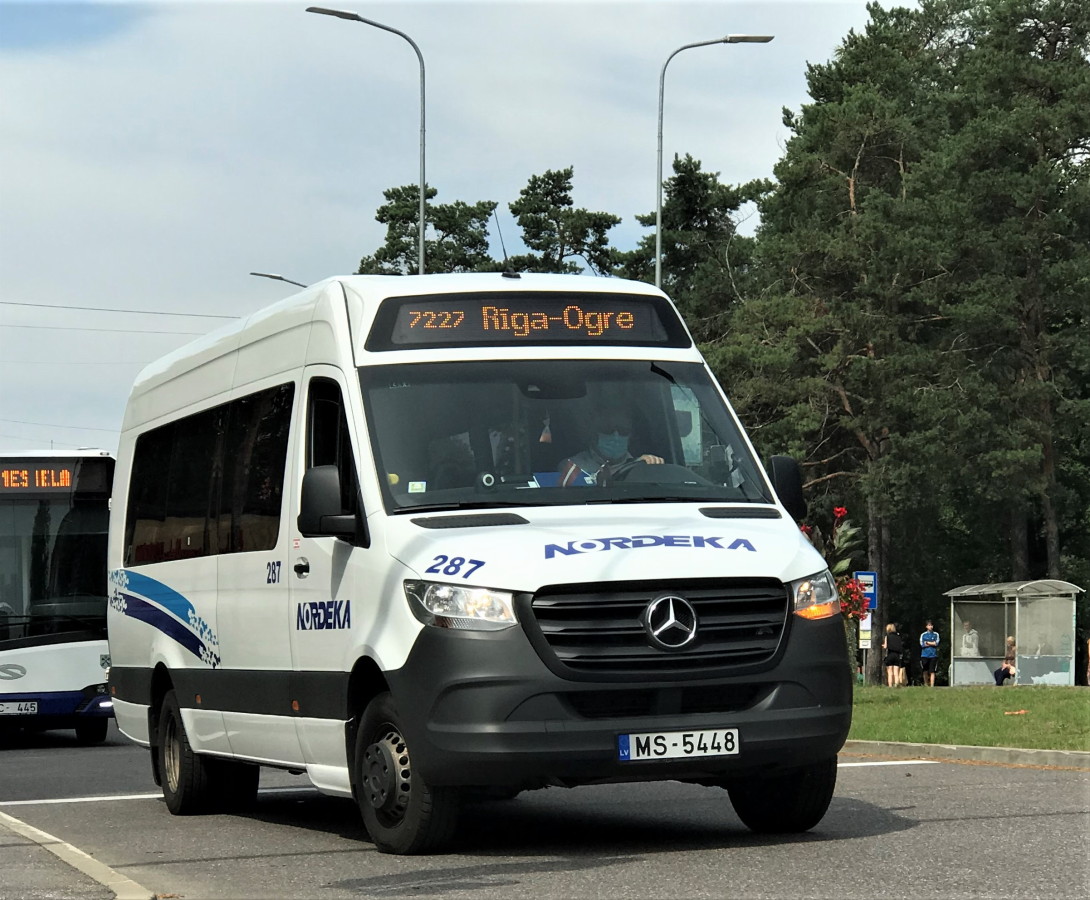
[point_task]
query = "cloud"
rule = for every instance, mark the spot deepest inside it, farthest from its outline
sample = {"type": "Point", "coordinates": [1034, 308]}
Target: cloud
{"type": "Point", "coordinates": [154, 154]}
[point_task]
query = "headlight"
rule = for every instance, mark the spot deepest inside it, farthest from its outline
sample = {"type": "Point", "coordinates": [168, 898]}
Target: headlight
{"type": "Point", "coordinates": [816, 597]}
{"type": "Point", "coordinates": [453, 606]}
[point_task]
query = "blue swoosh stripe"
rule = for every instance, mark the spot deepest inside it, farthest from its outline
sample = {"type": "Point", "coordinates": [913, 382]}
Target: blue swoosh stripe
{"type": "Point", "coordinates": [140, 609]}
{"type": "Point", "coordinates": [159, 593]}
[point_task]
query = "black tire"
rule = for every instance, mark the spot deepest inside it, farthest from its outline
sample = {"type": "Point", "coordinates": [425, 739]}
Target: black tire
{"type": "Point", "coordinates": [92, 731]}
{"type": "Point", "coordinates": [402, 813]}
{"type": "Point", "coordinates": [787, 802]}
{"type": "Point", "coordinates": [188, 782]}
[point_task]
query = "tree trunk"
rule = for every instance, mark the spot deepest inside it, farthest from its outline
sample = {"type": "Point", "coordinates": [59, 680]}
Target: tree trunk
{"type": "Point", "coordinates": [1048, 511]}
{"type": "Point", "coordinates": [1019, 538]}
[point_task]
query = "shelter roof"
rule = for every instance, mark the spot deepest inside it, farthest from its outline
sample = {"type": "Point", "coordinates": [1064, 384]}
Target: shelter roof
{"type": "Point", "coordinates": [1042, 587]}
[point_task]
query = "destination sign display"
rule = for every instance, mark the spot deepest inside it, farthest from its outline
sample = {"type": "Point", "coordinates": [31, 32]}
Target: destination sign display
{"type": "Point", "coordinates": [36, 477]}
{"type": "Point", "coordinates": [48, 476]}
{"type": "Point", "coordinates": [526, 318]}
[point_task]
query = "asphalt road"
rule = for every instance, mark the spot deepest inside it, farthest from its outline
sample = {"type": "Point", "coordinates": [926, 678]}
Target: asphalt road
{"type": "Point", "coordinates": [909, 828]}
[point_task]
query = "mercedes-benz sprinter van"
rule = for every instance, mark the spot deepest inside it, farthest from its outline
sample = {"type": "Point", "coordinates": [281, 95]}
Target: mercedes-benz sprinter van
{"type": "Point", "coordinates": [424, 537]}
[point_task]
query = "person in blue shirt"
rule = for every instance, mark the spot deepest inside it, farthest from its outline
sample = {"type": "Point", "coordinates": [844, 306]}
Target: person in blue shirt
{"type": "Point", "coordinates": [929, 653]}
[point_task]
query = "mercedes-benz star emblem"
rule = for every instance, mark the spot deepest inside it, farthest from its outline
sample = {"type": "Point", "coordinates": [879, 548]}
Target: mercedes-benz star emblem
{"type": "Point", "coordinates": [670, 622]}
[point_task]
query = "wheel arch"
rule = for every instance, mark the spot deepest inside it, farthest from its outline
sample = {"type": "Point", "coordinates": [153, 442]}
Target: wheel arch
{"type": "Point", "coordinates": [365, 682]}
{"type": "Point", "coordinates": [161, 684]}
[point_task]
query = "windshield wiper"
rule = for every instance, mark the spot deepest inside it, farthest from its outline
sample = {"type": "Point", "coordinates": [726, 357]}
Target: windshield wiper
{"type": "Point", "coordinates": [690, 498]}
{"type": "Point", "coordinates": [467, 504]}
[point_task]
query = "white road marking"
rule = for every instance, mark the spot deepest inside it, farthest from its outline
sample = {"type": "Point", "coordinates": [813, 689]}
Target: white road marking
{"type": "Point", "coordinates": [155, 796]}
{"type": "Point", "coordinates": [78, 800]}
{"type": "Point", "coordinates": [891, 762]}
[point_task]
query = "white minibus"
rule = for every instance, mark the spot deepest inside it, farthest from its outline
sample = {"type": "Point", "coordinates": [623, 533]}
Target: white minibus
{"type": "Point", "coordinates": [425, 538]}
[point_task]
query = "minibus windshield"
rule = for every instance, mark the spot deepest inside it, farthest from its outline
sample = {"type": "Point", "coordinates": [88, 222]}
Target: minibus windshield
{"type": "Point", "coordinates": [473, 435]}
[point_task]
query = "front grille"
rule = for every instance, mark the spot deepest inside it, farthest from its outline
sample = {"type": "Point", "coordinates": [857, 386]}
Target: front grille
{"type": "Point", "coordinates": [739, 623]}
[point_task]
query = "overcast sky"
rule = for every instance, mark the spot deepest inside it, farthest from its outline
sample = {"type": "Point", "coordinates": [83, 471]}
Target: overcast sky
{"type": "Point", "coordinates": [153, 154]}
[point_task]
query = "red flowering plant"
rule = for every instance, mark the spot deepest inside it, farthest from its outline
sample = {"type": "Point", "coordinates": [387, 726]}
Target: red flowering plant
{"type": "Point", "coordinates": [841, 547]}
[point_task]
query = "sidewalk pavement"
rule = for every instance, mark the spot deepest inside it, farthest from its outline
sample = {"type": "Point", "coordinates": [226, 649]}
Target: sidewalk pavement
{"type": "Point", "coordinates": [66, 872]}
{"type": "Point", "coordinates": [1064, 759]}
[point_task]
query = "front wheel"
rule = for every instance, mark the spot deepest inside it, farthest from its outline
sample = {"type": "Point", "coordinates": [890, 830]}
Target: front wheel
{"type": "Point", "coordinates": [402, 812]}
{"type": "Point", "coordinates": [785, 802]}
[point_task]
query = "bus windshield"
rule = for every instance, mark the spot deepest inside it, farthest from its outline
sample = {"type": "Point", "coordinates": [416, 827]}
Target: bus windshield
{"type": "Point", "coordinates": [514, 433]}
{"type": "Point", "coordinates": [52, 554]}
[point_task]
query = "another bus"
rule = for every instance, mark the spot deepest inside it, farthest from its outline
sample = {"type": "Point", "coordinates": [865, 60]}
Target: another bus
{"type": "Point", "coordinates": [347, 538]}
{"type": "Point", "coordinates": [54, 658]}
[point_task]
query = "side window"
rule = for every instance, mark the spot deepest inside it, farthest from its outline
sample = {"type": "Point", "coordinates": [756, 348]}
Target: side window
{"type": "Point", "coordinates": [189, 529]}
{"type": "Point", "coordinates": [328, 440]}
{"type": "Point", "coordinates": [210, 483]}
{"type": "Point", "coordinates": [689, 425]}
{"type": "Point", "coordinates": [147, 506]}
{"type": "Point", "coordinates": [253, 476]}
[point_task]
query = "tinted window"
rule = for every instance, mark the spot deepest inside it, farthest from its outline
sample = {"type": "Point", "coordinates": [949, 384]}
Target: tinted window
{"type": "Point", "coordinates": [253, 484]}
{"type": "Point", "coordinates": [210, 483]}
{"type": "Point", "coordinates": [147, 508]}
{"type": "Point", "coordinates": [189, 528]}
{"type": "Point", "coordinates": [328, 440]}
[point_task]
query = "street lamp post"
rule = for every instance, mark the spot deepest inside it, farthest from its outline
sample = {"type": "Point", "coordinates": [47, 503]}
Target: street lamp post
{"type": "Point", "coordinates": [355, 17]}
{"type": "Point", "coordinates": [729, 39]}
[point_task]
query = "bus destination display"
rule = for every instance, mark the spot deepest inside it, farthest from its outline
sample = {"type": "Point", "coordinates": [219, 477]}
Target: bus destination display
{"type": "Point", "coordinates": [465, 320]}
{"type": "Point", "coordinates": [36, 477]}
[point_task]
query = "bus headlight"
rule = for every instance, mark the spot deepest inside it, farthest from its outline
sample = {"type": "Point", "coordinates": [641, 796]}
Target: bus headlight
{"type": "Point", "coordinates": [816, 597]}
{"type": "Point", "coordinates": [454, 606]}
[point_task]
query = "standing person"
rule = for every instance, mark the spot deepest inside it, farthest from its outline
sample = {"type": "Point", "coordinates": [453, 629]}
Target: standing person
{"type": "Point", "coordinates": [1006, 669]}
{"type": "Point", "coordinates": [929, 653]}
{"type": "Point", "coordinates": [891, 643]}
{"type": "Point", "coordinates": [906, 658]}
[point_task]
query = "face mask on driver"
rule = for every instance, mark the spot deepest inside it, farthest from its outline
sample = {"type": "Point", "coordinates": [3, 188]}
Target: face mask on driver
{"type": "Point", "coordinates": [613, 446]}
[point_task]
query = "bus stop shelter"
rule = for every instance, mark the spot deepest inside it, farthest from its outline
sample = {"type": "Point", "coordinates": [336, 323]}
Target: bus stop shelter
{"type": "Point", "coordinates": [1039, 615]}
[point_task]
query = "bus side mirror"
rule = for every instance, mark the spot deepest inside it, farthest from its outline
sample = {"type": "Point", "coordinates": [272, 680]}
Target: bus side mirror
{"type": "Point", "coordinates": [320, 511]}
{"type": "Point", "coordinates": [786, 479]}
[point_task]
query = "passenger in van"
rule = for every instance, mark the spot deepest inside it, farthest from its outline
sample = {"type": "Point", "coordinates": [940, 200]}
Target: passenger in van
{"type": "Point", "coordinates": [608, 454]}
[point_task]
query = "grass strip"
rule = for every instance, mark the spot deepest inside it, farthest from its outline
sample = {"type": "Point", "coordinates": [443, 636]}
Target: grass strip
{"type": "Point", "coordinates": [1035, 718]}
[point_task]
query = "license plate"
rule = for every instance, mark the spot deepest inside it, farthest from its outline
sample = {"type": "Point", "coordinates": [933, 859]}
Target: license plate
{"type": "Point", "coordinates": [19, 708]}
{"type": "Point", "coordinates": [677, 744]}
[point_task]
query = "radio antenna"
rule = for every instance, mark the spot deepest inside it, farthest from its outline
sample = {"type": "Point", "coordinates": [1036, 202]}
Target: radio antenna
{"type": "Point", "coordinates": [500, 233]}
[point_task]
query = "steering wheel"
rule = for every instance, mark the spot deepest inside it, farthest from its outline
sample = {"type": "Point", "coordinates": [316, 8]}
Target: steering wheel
{"type": "Point", "coordinates": [621, 472]}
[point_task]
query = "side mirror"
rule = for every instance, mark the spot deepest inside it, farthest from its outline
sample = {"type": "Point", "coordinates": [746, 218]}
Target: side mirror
{"type": "Point", "coordinates": [320, 511]}
{"type": "Point", "coordinates": [786, 479]}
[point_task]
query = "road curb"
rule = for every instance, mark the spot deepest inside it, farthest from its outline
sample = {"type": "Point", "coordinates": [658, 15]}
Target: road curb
{"type": "Point", "coordinates": [1065, 759]}
{"type": "Point", "coordinates": [122, 887]}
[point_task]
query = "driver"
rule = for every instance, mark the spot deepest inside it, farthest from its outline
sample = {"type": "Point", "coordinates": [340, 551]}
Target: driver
{"type": "Point", "coordinates": [608, 454]}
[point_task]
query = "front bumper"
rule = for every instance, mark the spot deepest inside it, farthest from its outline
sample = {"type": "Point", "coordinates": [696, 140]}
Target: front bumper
{"type": "Point", "coordinates": [58, 709]}
{"type": "Point", "coordinates": [481, 708]}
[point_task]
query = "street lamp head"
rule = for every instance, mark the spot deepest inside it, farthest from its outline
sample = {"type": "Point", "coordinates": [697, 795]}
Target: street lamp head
{"type": "Point", "coordinates": [338, 13]}
{"type": "Point", "coordinates": [276, 277]}
{"type": "Point", "coordinates": [748, 38]}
